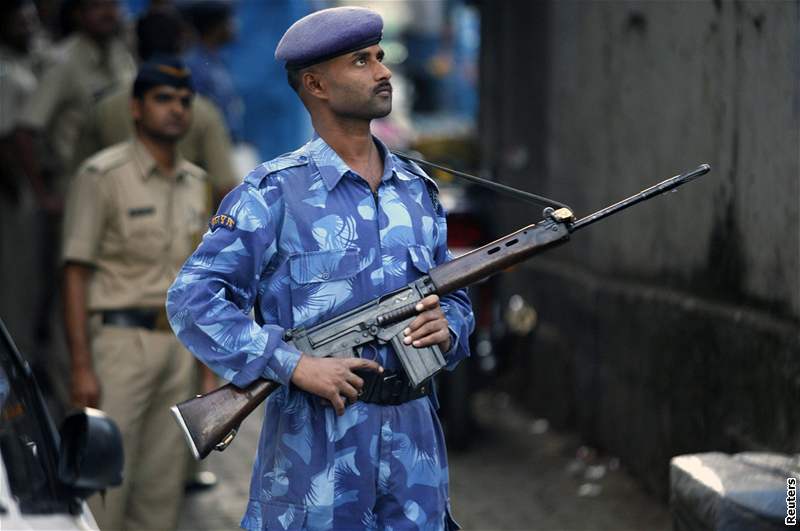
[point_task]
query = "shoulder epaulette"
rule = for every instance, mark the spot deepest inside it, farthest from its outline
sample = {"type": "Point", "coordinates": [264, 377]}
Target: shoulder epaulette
{"type": "Point", "coordinates": [430, 184]}
{"type": "Point", "coordinates": [287, 160]}
{"type": "Point", "coordinates": [195, 171]}
{"type": "Point", "coordinates": [107, 159]}
{"type": "Point", "coordinates": [414, 168]}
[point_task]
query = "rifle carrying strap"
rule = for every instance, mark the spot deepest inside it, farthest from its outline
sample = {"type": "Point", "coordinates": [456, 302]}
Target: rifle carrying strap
{"type": "Point", "coordinates": [492, 185]}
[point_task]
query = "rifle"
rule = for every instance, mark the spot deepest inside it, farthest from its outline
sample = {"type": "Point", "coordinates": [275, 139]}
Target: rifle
{"type": "Point", "coordinates": [209, 422]}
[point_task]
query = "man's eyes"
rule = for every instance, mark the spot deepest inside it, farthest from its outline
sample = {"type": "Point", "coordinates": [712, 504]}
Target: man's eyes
{"type": "Point", "coordinates": [185, 101]}
{"type": "Point", "coordinates": [361, 61]}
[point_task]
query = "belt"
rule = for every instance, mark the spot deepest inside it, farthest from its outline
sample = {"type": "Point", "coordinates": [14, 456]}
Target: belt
{"type": "Point", "coordinates": [151, 319]}
{"type": "Point", "coordinates": [389, 388]}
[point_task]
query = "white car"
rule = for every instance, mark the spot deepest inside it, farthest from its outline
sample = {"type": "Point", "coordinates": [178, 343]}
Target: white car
{"type": "Point", "coordinates": [46, 476]}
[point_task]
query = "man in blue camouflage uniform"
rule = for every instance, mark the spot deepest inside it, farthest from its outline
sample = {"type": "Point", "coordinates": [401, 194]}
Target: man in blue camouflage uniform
{"type": "Point", "coordinates": [307, 236]}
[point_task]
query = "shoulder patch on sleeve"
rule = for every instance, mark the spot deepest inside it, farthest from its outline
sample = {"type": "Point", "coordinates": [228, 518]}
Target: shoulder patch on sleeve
{"type": "Point", "coordinates": [222, 221]}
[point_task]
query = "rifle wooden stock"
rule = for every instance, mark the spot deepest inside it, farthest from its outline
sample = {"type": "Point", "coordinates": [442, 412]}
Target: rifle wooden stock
{"type": "Point", "coordinates": [211, 420]}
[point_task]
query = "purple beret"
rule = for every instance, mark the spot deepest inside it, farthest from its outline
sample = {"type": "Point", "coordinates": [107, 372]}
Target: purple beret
{"type": "Point", "coordinates": [328, 33]}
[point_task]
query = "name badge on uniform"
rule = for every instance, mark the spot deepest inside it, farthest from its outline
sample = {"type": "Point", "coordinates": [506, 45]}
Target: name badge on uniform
{"type": "Point", "coordinates": [141, 211]}
{"type": "Point", "coordinates": [221, 220]}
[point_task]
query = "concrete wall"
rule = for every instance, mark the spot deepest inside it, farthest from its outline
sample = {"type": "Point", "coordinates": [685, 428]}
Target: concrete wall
{"type": "Point", "coordinates": [673, 326]}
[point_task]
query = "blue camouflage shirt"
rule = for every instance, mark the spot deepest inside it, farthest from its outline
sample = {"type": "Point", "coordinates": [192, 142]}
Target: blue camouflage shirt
{"type": "Point", "coordinates": [301, 240]}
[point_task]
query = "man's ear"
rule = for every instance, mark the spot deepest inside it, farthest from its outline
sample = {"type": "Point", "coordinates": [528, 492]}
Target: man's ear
{"type": "Point", "coordinates": [314, 84]}
{"type": "Point", "coordinates": [136, 109]}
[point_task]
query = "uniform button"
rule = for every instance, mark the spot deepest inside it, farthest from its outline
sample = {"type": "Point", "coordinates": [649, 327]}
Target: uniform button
{"type": "Point", "coordinates": [325, 275]}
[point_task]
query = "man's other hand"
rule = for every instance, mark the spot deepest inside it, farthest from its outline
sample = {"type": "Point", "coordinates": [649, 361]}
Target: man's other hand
{"type": "Point", "coordinates": [332, 378]}
{"type": "Point", "coordinates": [85, 388]}
{"type": "Point", "coordinates": [430, 327]}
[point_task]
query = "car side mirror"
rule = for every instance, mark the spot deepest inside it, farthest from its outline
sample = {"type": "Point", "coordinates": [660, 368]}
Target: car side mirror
{"type": "Point", "coordinates": [90, 457]}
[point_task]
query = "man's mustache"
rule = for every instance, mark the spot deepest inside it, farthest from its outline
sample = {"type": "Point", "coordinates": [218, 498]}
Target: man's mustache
{"type": "Point", "coordinates": [383, 86]}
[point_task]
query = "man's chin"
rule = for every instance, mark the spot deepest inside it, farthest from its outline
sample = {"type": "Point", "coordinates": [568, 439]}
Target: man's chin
{"type": "Point", "coordinates": [174, 131]}
{"type": "Point", "coordinates": [371, 111]}
{"type": "Point", "coordinates": [167, 136]}
{"type": "Point", "coordinates": [382, 111]}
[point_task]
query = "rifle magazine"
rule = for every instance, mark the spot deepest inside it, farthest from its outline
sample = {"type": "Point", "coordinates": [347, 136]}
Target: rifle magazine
{"type": "Point", "coordinates": [419, 363]}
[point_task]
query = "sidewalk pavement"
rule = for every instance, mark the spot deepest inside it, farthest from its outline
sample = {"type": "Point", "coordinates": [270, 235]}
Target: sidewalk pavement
{"type": "Point", "coordinates": [519, 475]}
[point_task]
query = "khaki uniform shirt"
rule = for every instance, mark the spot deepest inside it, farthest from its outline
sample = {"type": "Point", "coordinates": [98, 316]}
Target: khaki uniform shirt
{"type": "Point", "coordinates": [206, 143]}
{"type": "Point", "coordinates": [133, 224]}
{"type": "Point", "coordinates": [80, 73]}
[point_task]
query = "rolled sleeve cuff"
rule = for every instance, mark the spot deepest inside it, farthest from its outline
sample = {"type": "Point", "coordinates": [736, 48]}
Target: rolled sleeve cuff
{"type": "Point", "coordinates": [77, 251]}
{"type": "Point", "coordinates": [453, 340]}
{"type": "Point", "coordinates": [457, 326]}
{"type": "Point", "coordinates": [282, 364]}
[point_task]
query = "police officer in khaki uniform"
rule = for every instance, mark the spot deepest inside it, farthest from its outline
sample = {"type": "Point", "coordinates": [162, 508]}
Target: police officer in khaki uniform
{"type": "Point", "coordinates": [134, 212]}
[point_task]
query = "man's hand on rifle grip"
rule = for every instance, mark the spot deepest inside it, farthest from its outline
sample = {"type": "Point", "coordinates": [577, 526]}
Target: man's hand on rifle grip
{"type": "Point", "coordinates": [332, 379]}
{"type": "Point", "coordinates": [430, 327]}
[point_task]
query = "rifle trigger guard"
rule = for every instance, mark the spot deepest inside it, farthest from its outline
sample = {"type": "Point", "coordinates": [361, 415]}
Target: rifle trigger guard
{"type": "Point", "coordinates": [226, 441]}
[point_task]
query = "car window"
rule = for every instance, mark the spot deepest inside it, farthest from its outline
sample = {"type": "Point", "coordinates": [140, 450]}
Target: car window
{"type": "Point", "coordinates": [27, 440]}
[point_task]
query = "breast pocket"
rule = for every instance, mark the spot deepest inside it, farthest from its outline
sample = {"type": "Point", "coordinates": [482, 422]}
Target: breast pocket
{"type": "Point", "coordinates": [146, 239]}
{"type": "Point", "coordinates": [321, 283]}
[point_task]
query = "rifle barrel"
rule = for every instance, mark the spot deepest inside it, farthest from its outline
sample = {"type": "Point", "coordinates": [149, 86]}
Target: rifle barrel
{"type": "Point", "coordinates": [657, 189]}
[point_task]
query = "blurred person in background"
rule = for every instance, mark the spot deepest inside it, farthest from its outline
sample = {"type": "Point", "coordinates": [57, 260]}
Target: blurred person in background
{"type": "Point", "coordinates": [19, 62]}
{"type": "Point", "coordinates": [214, 23]}
{"type": "Point", "coordinates": [89, 63]}
{"type": "Point", "coordinates": [133, 214]}
{"type": "Point", "coordinates": [86, 64]}
{"type": "Point", "coordinates": [160, 31]}
{"type": "Point", "coordinates": [260, 25]}
{"type": "Point", "coordinates": [18, 82]}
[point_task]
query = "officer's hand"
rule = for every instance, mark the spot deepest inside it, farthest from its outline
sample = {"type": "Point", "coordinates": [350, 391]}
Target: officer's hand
{"type": "Point", "coordinates": [430, 327]}
{"type": "Point", "coordinates": [332, 378]}
{"type": "Point", "coordinates": [85, 388]}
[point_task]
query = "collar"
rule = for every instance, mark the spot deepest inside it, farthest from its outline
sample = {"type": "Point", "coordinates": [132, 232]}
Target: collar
{"type": "Point", "coordinates": [332, 168]}
{"type": "Point", "coordinates": [147, 164]}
